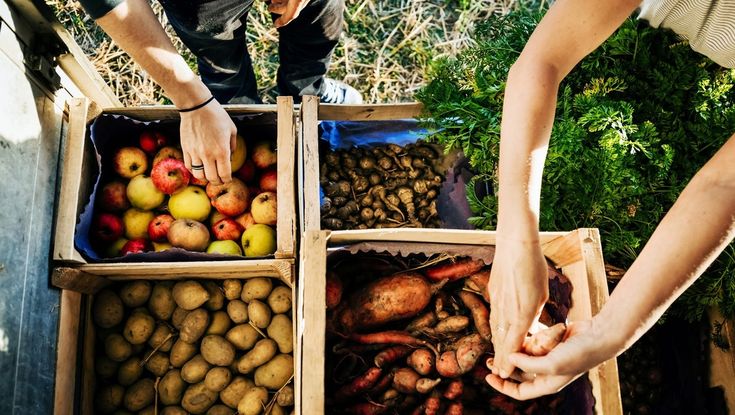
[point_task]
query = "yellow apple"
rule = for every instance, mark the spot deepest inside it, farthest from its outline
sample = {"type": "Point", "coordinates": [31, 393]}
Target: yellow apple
{"type": "Point", "coordinates": [143, 194]}
{"type": "Point", "coordinates": [259, 240]}
{"type": "Point", "coordinates": [136, 223]}
{"type": "Point", "coordinates": [227, 247]}
{"type": "Point", "coordinates": [237, 158]}
{"type": "Point", "coordinates": [161, 246]}
{"type": "Point", "coordinates": [190, 203]}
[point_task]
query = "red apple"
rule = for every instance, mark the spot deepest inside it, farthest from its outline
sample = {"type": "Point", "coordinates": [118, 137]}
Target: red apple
{"type": "Point", "coordinates": [188, 234]}
{"type": "Point", "coordinates": [231, 198]}
{"type": "Point", "coordinates": [151, 141]}
{"type": "Point", "coordinates": [113, 197]}
{"type": "Point", "coordinates": [245, 220]}
{"type": "Point", "coordinates": [158, 227]}
{"type": "Point", "coordinates": [268, 180]}
{"type": "Point", "coordinates": [199, 182]}
{"type": "Point", "coordinates": [264, 208]}
{"type": "Point", "coordinates": [130, 162]}
{"type": "Point", "coordinates": [135, 246]}
{"type": "Point", "coordinates": [264, 155]}
{"type": "Point", "coordinates": [246, 173]}
{"type": "Point", "coordinates": [168, 152]}
{"type": "Point", "coordinates": [227, 229]}
{"type": "Point", "coordinates": [170, 175]}
{"type": "Point", "coordinates": [107, 227]}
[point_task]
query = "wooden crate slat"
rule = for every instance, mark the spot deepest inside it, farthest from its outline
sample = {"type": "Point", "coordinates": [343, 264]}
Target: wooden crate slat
{"type": "Point", "coordinates": [286, 227]}
{"type": "Point", "coordinates": [370, 112]}
{"type": "Point", "coordinates": [66, 352]}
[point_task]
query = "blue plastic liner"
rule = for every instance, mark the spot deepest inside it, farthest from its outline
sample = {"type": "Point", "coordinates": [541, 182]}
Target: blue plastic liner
{"type": "Point", "coordinates": [111, 132]}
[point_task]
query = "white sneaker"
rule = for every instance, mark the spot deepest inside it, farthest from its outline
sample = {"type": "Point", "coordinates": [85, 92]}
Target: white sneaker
{"type": "Point", "coordinates": [338, 92]}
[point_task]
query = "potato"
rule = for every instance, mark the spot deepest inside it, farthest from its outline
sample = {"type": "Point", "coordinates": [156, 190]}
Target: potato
{"type": "Point", "coordinates": [194, 325]}
{"type": "Point", "coordinates": [162, 337]}
{"type": "Point", "coordinates": [232, 394]}
{"type": "Point", "coordinates": [279, 299]}
{"type": "Point", "coordinates": [151, 410]}
{"type": "Point", "coordinates": [195, 369]}
{"type": "Point", "coordinates": [277, 410]}
{"type": "Point", "coordinates": [253, 402]}
{"type": "Point", "coordinates": [263, 351]}
{"type": "Point", "coordinates": [285, 396]}
{"type": "Point", "coordinates": [259, 314]}
{"type": "Point", "coordinates": [220, 410]}
{"type": "Point", "coordinates": [243, 336]}
{"type": "Point", "coordinates": [281, 330]}
{"type": "Point", "coordinates": [139, 395]}
{"type": "Point", "coordinates": [122, 412]}
{"type": "Point", "coordinates": [117, 348]}
{"type": "Point", "coordinates": [129, 371]}
{"type": "Point", "coordinates": [171, 387]}
{"type": "Point", "coordinates": [220, 323]}
{"type": "Point", "coordinates": [216, 296]}
{"type": "Point", "coordinates": [135, 293]}
{"type": "Point", "coordinates": [109, 398]}
{"type": "Point", "coordinates": [197, 399]}
{"type": "Point", "coordinates": [276, 373]}
{"type": "Point", "coordinates": [256, 289]}
{"type": "Point", "coordinates": [189, 294]}
{"type": "Point", "coordinates": [178, 317]}
{"type": "Point", "coordinates": [181, 352]}
{"type": "Point", "coordinates": [174, 410]}
{"type": "Point", "coordinates": [158, 363]}
{"type": "Point", "coordinates": [138, 348]}
{"type": "Point", "coordinates": [108, 309]}
{"type": "Point", "coordinates": [232, 289]}
{"type": "Point", "coordinates": [139, 328]}
{"type": "Point", "coordinates": [161, 303]}
{"type": "Point", "coordinates": [217, 378]}
{"type": "Point", "coordinates": [238, 311]}
{"type": "Point", "coordinates": [217, 350]}
{"type": "Point", "coordinates": [105, 367]}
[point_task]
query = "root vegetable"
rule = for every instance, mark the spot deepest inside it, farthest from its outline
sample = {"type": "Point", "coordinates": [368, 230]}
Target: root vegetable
{"type": "Point", "coordinates": [454, 270]}
{"type": "Point", "coordinates": [194, 325]}
{"type": "Point", "coordinates": [181, 352]}
{"type": "Point", "coordinates": [237, 311]}
{"type": "Point", "coordinates": [256, 289]}
{"type": "Point", "coordinates": [233, 393]}
{"type": "Point", "coordinates": [426, 385]}
{"type": "Point", "coordinates": [157, 363]}
{"type": "Point", "coordinates": [454, 408]}
{"type": "Point", "coordinates": [139, 327]}
{"type": "Point", "coordinates": [281, 330]}
{"type": "Point", "coordinates": [108, 309]}
{"type": "Point", "coordinates": [232, 289]}
{"type": "Point", "coordinates": [388, 337]}
{"type": "Point", "coordinates": [171, 387]}
{"type": "Point", "coordinates": [423, 321]}
{"type": "Point", "coordinates": [359, 384]}
{"type": "Point", "coordinates": [259, 314]}
{"type": "Point", "coordinates": [216, 350]}
{"type": "Point", "coordinates": [447, 365]}
{"type": "Point", "coordinates": [109, 398]}
{"type": "Point", "coordinates": [217, 378]}
{"type": "Point", "coordinates": [139, 395]}
{"type": "Point", "coordinates": [161, 302]}
{"type": "Point", "coordinates": [253, 401]}
{"type": "Point", "coordinates": [454, 389]}
{"type": "Point", "coordinates": [333, 223]}
{"type": "Point", "coordinates": [387, 299]}
{"type": "Point", "coordinates": [367, 408]}
{"type": "Point", "coordinates": [480, 313]}
{"type": "Point", "coordinates": [391, 355]}
{"type": "Point", "coordinates": [544, 341]}
{"type": "Point", "coordinates": [404, 380]}
{"type": "Point", "coordinates": [279, 300]}
{"type": "Point", "coordinates": [469, 350]}
{"type": "Point", "coordinates": [129, 371]}
{"type": "Point", "coordinates": [216, 296]}
{"type": "Point", "coordinates": [189, 295]}
{"type": "Point", "coordinates": [117, 348]}
{"type": "Point", "coordinates": [478, 282]}
{"type": "Point", "coordinates": [243, 336]}
{"type": "Point", "coordinates": [263, 351]}
{"type": "Point", "coordinates": [275, 373]}
{"type": "Point", "coordinates": [422, 361]}
{"type": "Point", "coordinates": [334, 290]}
{"type": "Point", "coordinates": [451, 324]}
{"type": "Point", "coordinates": [432, 405]}
{"type": "Point", "coordinates": [285, 396]}
{"type": "Point", "coordinates": [220, 323]}
{"type": "Point", "coordinates": [162, 338]}
{"type": "Point", "coordinates": [135, 293]}
{"type": "Point", "coordinates": [381, 385]}
{"type": "Point", "coordinates": [405, 195]}
{"type": "Point", "coordinates": [195, 369]}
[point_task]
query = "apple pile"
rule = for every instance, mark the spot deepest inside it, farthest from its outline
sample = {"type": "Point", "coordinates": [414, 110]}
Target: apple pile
{"type": "Point", "coordinates": [154, 203]}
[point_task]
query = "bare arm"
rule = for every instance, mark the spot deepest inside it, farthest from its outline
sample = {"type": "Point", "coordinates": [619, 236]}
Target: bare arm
{"type": "Point", "coordinates": [518, 285]}
{"type": "Point", "coordinates": [207, 134]}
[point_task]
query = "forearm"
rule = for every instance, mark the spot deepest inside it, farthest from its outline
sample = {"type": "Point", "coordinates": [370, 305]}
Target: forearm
{"type": "Point", "coordinates": [134, 27]}
{"type": "Point", "coordinates": [690, 237]}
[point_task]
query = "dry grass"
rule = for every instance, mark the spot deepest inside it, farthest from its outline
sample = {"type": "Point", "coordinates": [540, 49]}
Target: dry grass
{"type": "Point", "coordinates": [384, 51]}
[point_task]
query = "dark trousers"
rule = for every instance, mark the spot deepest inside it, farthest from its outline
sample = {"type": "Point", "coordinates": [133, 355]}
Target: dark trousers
{"type": "Point", "coordinates": [214, 30]}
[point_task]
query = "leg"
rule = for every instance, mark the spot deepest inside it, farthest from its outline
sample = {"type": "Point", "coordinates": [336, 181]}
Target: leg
{"type": "Point", "coordinates": [306, 46]}
{"type": "Point", "coordinates": [215, 32]}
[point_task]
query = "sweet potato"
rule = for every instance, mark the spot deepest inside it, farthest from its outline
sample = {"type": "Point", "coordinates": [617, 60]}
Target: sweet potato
{"type": "Point", "coordinates": [404, 380]}
{"type": "Point", "coordinates": [387, 299]}
{"type": "Point", "coordinates": [541, 343]}
{"type": "Point", "coordinates": [391, 354]}
{"type": "Point", "coordinates": [447, 365]}
{"type": "Point", "coordinates": [469, 350]}
{"type": "Point", "coordinates": [382, 384]}
{"type": "Point", "coordinates": [421, 322]}
{"type": "Point", "coordinates": [454, 408]}
{"type": "Point", "coordinates": [451, 324]}
{"type": "Point", "coordinates": [367, 408]}
{"type": "Point", "coordinates": [452, 271]}
{"type": "Point", "coordinates": [426, 385]}
{"type": "Point", "coordinates": [431, 406]}
{"type": "Point", "coordinates": [388, 337]}
{"type": "Point", "coordinates": [480, 313]}
{"type": "Point", "coordinates": [478, 282]}
{"type": "Point", "coordinates": [454, 389]}
{"type": "Point", "coordinates": [422, 361]}
{"type": "Point", "coordinates": [334, 290]}
{"type": "Point", "coordinates": [359, 384]}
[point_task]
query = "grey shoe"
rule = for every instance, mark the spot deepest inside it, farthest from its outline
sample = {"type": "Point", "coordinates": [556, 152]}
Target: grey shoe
{"type": "Point", "coordinates": [338, 92]}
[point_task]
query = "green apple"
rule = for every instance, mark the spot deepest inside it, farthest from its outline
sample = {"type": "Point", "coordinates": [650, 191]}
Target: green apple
{"type": "Point", "coordinates": [161, 246]}
{"type": "Point", "coordinates": [113, 250]}
{"type": "Point", "coordinates": [227, 247]}
{"type": "Point", "coordinates": [136, 223]}
{"type": "Point", "coordinates": [259, 240]}
{"type": "Point", "coordinates": [143, 194]}
{"type": "Point", "coordinates": [190, 203]}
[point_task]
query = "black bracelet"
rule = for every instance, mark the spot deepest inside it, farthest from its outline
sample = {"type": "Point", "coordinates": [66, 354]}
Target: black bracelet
{"type": "Point", "coordinates": [196, 107]}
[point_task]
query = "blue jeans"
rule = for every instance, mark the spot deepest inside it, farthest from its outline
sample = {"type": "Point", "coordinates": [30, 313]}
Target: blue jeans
{"type": "Point", "coordinates": [214, 30]}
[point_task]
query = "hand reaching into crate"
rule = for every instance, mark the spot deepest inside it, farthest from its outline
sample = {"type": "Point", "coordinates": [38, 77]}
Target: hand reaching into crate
{"type": "Point", "coordinates": [208, 138]}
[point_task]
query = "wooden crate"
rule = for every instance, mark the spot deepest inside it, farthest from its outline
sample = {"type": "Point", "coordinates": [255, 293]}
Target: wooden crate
{"type": "Point", "coordinates": [722, 356]}
{"type": "Point", "coordinates": [79, 164]}
{"type": "Point", "coordinates": [577, 253]}
{"type": "Point", "coordinates": [75, 375]}
{"type": "Point", "coordinates": [308, 147]}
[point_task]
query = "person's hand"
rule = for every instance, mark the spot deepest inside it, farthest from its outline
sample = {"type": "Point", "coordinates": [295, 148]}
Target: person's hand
{"type": "Point", "coordinates": [287, 9]}
{"type": "Point", "coordinates": [584, 347]}
{"type": "Point", "coordinates": [518, 288]}
{"type": "Point", "coordinates": [208, 137]}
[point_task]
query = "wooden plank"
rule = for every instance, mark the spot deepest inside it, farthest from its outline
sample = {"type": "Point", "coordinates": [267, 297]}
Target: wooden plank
{"type": "Point", "coordinates": [286, 200]}
{"type": "Point", "coordinates": [563, 251]}
{"type": "Point", "coordinates": [722, 360]}
{"type": "Point", "coordinates": [451, 236]}
{"type": "Point", "coordinates": [66, 353]}
{"type": "Point", "coordinates": [71, 183]}
{"type": "Point", "coordinates": [370, 112]}
{"type": "Point", "coordinates": [309, 200]}
{"type": "Point", "coordinates": [88, 379]}
{"type": "Point", "coordinates": [74, 279]}
{"type": "Point", "coordinates": [169, 112]}
{"type": "Point", "coordinates": [313, 279]}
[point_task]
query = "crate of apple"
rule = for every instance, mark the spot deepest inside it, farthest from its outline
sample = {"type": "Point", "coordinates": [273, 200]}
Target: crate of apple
{"type": "Point", "coordinates": [153, 203]}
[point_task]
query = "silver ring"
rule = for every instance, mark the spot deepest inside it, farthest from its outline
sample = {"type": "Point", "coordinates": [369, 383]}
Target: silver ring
{"type": "Point", "coordinates": [197, 167]}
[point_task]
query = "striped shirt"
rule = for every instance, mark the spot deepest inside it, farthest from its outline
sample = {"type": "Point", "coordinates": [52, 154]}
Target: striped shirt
{"type": "Point", "coordinates": [708, 25]}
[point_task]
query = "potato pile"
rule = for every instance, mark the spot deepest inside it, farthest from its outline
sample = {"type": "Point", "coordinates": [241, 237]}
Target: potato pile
{"type": "Point", "coordinates": [199, 347]}
{"type": "Point", "coordinates": [386, 186]}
